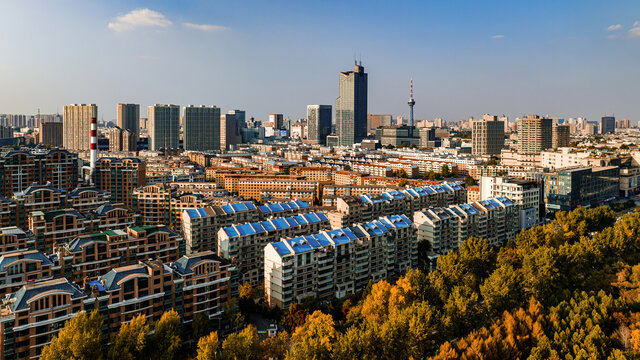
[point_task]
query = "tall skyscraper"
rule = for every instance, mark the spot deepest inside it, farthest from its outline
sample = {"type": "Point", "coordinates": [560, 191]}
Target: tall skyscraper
{"type": "Point", "coordinates": [77, 126]}
{"type": "Point", "coordinates": [241, 117]}
{"type": "Point", "coordinates": [351, 107]}
{"type": "Point", "coordinates": [229, 134]}
{"type": "Point", "coordinates": [129, 118]}
{"type": "Point", "coordinates": [411, 103]}
{"type": "Point", "coordinates": [608, 125]}
{"type": "Point", "coordinates": [487, 135]}
{"type": "Point", "coordinates": [164, 126]}
{"type": "Point", "coordinates": [276, 121]}
{"type": "Point", "coordinates": [201, 128]}
{"type": "Point", "coordinates": [534, 134]}
{"type": "Point", "coordinates": [318, 123]}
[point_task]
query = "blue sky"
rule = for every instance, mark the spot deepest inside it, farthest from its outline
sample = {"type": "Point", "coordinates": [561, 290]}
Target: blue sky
{"type": "Point", "coordinates": [559, 58]}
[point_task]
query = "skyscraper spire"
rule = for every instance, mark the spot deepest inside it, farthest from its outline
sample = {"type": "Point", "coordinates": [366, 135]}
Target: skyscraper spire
{"type": "Point", "coordinates": [411, 103]}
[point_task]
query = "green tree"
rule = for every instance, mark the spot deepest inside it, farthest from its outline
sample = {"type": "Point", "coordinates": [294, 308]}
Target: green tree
{"type": "Point", "coordinates": [166, 337]}
{"type": "Point", "coordinates": [131, 341]}
{"type": "Point", "coordinates": [208, 347]}
{"type": "Point", "coordinates": [244, 345]}
{"type": "Point", "coordinates": [81, 338]}
{"type": "Point", "coordinates": [360, 339]}
{"type": "Point", "coordinates": [492, 162]}
{"type": "Point", "coordinates": [502, 290]}
{"type": "Point", "coordinates": [314, 339]}
{"type": "Point", "coordinates": [445, 171]}
{"type": "Point", "coordinates": [469, 180]}
{"type": "Point", "coordinates": [401, 173]}
{"type": "Point", "coordinates": [403, 183]}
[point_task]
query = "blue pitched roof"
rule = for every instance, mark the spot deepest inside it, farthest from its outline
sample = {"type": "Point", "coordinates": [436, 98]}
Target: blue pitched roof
{"type": "Point", "coordinates": [21, 297]}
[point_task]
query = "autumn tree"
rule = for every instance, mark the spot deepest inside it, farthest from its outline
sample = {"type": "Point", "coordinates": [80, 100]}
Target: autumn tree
{"type": "Point", "coordinates": [131, 341]}
{"type": "Point", "coordinates": [295, 316]}
{"type": "Point", "coordinates": [208, 347]}
{"type": "Point", "coordinates": [314, 339]}
{"type": "Point", "coordinates": [244, 345]}
{"type": "Point", "coordinates": [201, 326]}
{"type": "Point", "coordinates": [275, 347]}
{"type": "Point", "coordinates": [166, 338]}
{"type": "Point", "coordinates": [81, 338]}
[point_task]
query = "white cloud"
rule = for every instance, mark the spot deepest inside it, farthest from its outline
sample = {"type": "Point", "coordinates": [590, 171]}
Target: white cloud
{"type": "Point", "coordinates": [635, 30]}
{"type": "Point", "coordinates": [139, 18]}
{"type": "Point", "coordinates": [205, 27]}
{"type": "Point", "coordinates": [497, 36]}
{"type": "Point", "coordinates": [614, 27]}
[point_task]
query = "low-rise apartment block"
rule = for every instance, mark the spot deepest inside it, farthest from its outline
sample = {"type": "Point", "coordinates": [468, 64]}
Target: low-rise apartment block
{"type": "Point", "coordinates": [21, 267]}
{"type": "Point", "coordinates": [244, 244]}
{"type": "Point", "coordinates": [527, 194]}
{"type": "Point", "coordinates": [338, 262]}
{"type": "Point", "coordinates": [446, 228]}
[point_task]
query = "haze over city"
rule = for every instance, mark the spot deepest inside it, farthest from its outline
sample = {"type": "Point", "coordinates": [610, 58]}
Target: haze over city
{"type": "Point", "coordinates": [564, 59]}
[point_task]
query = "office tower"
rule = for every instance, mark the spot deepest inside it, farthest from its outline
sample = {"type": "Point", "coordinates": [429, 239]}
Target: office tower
{"type": "Point", "coordinates": [276, 121]}
{"type": "Point", "coordinates": [129, 119]}
{"type": "Point", "coordinates": [351, 107]}
{"type": "Point", "coordinates": [164, 126]}
{"type": "Point", "coordinates": [411, 103]}
{"type": "Point", "coordinates": [6, 132]}
{"type": "Point", "coordinates": [534, 134]}
{"type": "Point", "coordinates": [228, 131]}
{"type": "Point", "coordinates": [319, 123]}
{"type": "Point", "coordinates": [77, 126]}
{"type": "Point", "coordinates": [201, 128]}
{"type": "Point", "coordinates": [608, 125]}
{"type": "Point", "coordinates": [241, 117]}
{"type": "Point", "coordinates": [561, 135]}
{"type": "Point", "coordinates": [487, 135]}
{"type": "Point", "coordinates": [376, 121]}
{"type": "Point", "coordinates": [51, 133]}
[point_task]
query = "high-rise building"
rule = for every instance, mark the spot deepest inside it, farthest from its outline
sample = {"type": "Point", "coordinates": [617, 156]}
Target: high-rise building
{"type": "Point", "coordinates": [164, 126]}
{"type": "Point", "coordinates": [276, 121]}
{"type": "Point", "coordinates": [608, 125]}
{"type": "Point", "coordinates": [561, 135]}
{"type": "Point", "coordinates": [351, 107]}
{"type": "Point", "coordinates": [487, 135]}
{"type": "Point", "coordinates": [535, 134]}
{"type": "Point", "coordinates": [201, 128]}
{"type": "Point", "coordinates": [241, 117]}
{"type": "Point", "coordinates": [129, 119]}
{"type": "Point", "coordinates": [376, 121]}
{"type": "Point", "coordinates": [120, 177]}
{"type": "Point", "coordinates": [77, 126]}
{"type": "Point", "coordinates": [319, 123]}
{"type": "Point", "coordinates": [229, 134]}
{"type": "Point", "coordinates": [51, 133]}
{"type": "Point", "coordinates": [6, 132]}
{"type": "Point", "coordinates": [121, 140]}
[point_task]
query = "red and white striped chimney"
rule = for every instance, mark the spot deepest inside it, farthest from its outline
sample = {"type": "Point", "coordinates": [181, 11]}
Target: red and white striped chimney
{"type": "Point", "coordinates": [93, 151]}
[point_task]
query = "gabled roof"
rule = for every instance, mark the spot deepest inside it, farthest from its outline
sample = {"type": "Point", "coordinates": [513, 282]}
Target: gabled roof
{"type": "Point", "coordinates": [34, 255]}
{"type": "Point", "coordinates": [184, 265]}
{"type": "Point", "coordinates": [21, 299]}
{"type": "Point", "coordinates": [111, 280]}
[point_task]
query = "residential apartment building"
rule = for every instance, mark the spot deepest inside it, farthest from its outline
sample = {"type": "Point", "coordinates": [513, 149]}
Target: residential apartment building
{"type": "Point", "coordinates": [446, 228]}
{"type": "Point", "coordinates": [487, 135]}
{"type": "Point", "coordinates": [77, 126]}
{"type": "Point", "coordinates": [87, 198]}
{"type": "Point", "coordinates": [8, 215]}
{"type": "Point", "coordinates": [561, 136]}
{"type": "Point", "coordinates": [89, 256]}
{"type": "Point", "coordinates": [563, 157]}
{"type": "Point", "coordinates": [19, 268]}
{"type": "Point", "coordinates": [526, 194]}
{"type": "Point", "coordinates": [37, 198]}
{"type": "Point", "coordinates": [251, 189]}
{"type": "Point", "coordinates": [243, 244]}
{"type": "Point", "coordinates": [608, 125]}
{"type": "Point", "coordinates": [122, 140]}
{"type": "Point", "coordinates": [51, 133]}
{"type": "Point", "coordinates": [201, 128]}
{"type": "Point", "coordinates": [362, 208]}
{"type": "Point", "coordinates": [14, 239]}
{"type": "Point", "coordinates": [129, 119]}
{"type": "Point", "coordinates": [164, 127]}
{"type": "Point", "coordinates": [338, 262]}
{"type": "Point", "coordinates": [119, 177]}
{"type": "Point", "coordinates": [21, 169]}
{"type": "Point", "coordinates": [54, 228]}
{"type": "Point", "coordinates": [200, 226]}
{"type": "Point", "coordinates": [535, 134]}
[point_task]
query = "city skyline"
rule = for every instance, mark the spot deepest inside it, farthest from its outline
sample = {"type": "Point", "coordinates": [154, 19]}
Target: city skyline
{"type": "Point", "coordinates": [569, 60]}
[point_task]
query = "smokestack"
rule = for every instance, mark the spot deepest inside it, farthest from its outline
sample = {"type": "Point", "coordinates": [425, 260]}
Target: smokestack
{"type": "Point", "coordinates": [93, 151]}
